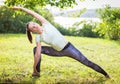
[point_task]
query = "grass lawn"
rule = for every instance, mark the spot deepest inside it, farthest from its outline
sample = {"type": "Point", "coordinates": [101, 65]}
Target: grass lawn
{"type": "Point", "coordinates": [16, 62]}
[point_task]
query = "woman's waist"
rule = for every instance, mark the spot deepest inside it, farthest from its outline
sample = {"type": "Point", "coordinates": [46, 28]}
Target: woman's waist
{"type": "Point", "coordinates": [66, 46]}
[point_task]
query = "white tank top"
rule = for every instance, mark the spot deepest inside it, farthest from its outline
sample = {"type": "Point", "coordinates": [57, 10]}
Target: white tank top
{"type": "Point", "coordinates": [52, 36]}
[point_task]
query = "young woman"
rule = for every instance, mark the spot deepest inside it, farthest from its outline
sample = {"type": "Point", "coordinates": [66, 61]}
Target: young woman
{"type": "Point", "coordinates": [59, 46]}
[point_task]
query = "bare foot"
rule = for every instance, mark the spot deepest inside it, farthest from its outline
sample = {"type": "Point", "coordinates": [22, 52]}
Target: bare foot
{"type": "Point", "coordinates": [36, 74]}
{"type": "Point", "coordinates": [107, 76]}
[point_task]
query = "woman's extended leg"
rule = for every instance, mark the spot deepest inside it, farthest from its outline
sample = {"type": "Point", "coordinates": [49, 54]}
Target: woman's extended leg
{"type": "Point", "coordinates": [76, 54]}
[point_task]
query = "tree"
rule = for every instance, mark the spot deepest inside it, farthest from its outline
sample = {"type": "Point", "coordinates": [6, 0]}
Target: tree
{"type": "Point", "coordinates": [13, 22]}
{"type": "Point", "coordinates": [110, 25]}
{"type": "Point", "coordinates": [33, 3]}
{"type": "Point", "coordinates": [5, 20]}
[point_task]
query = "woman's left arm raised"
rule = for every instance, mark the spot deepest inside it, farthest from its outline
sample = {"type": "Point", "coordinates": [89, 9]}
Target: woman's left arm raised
{"type": "Point", "coordinates": [34, 14]}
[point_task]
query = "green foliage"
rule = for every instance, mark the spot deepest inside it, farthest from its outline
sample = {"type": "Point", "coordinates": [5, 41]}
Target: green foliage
{"type": "Point", "coordinates": [110, 26]}
{"type": "Point", "coordinates": [88, 29]}
{"type": "Point", "coordinates": [84, 28]}
{"type": "Point", "coordinates": [12, 21]}
{"type": "Point", "coordinates": [5, 19]}
{"type": "Point", "coordinates": [33, 3]}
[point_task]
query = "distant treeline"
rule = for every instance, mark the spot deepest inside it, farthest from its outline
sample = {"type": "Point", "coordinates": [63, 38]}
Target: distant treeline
{"type": "Point", "coordinates": [15, 22]}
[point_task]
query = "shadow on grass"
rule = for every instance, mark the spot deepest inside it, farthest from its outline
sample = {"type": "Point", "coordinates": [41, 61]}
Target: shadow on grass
{"type": "Point", "coordinates": [32, 80]}
{"type": "Point", "coordinates": [19, 78]}
{"type": "Point", "coordinates": [82, 81]}
{"type": "Point", "coordinates": [77, 80]}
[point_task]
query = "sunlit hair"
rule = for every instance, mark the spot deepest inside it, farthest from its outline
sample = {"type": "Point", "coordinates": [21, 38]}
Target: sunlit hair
{"type": "Point", "coordinates": [29, 35]}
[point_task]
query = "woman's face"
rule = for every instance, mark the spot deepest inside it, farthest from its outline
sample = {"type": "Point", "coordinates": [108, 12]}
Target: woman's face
{"type": "Point", "coordinates": [33, 27]}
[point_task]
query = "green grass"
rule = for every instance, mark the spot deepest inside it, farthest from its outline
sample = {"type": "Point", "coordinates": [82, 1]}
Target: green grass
{"type": "Point", "coordinates": [16, 62]}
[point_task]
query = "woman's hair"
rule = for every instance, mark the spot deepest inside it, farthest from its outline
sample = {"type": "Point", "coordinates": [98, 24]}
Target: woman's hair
{"type": "Point", "coordinates": [29, 35]}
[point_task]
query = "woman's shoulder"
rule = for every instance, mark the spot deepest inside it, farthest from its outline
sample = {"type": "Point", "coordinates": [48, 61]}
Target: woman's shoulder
{"type": "Point", "coordinates": [46, 24]}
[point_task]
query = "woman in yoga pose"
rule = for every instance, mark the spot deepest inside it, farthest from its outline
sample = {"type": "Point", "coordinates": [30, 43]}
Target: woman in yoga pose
{"type": "Point", "coordinates": [59, 46]}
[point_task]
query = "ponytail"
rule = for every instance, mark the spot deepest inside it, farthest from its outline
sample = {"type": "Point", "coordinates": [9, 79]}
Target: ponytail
{"type": "Point", "coordinates": [29, 34]}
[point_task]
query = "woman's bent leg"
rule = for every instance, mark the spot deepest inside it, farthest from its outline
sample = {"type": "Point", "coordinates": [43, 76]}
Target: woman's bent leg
{"type": "Point", "coordinates": [48, 51]}
{"type": "Point", "coordinates": [39, 63]}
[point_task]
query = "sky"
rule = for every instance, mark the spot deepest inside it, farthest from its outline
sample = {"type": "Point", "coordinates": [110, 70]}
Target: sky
{"type": "Point", "coordinates": [1, 2]}
{"type": "Point", "coordinates": [91, 4]}
{"type": "Point", "coordinates": [97, 3]}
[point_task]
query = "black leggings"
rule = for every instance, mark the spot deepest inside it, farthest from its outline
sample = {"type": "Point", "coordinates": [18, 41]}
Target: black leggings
{"type": "Point", "coordinates": [69, 51]}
